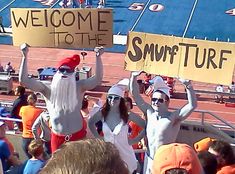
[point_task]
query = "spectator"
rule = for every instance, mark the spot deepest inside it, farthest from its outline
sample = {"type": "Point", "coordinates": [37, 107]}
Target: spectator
{"type": "Point", "coordinates": [9, 68]}
{"type": "Point", "coordinates": [176, 158]}
{"type": "Point", "coordinates": [20, 101]}
{"type": "Point", "coordinates": [147, 78]}
{"type": "Point", "coordinates": [1, 68]}
{"type": "Point", "coordinates": [115, 117]}
{"type": "Point", "coordinates": [136, 132]}
{"type": "Point", "coordinates": [208, 162]}
{"type": "Point", "coordinates": [231, 89]}
{"type": "Point", "coordinates": [224, 155]}
{"type": "Point", "coordinates": [7, 157]}
{"type": "Point", "coordinates": [42, 125]}
{"type": "Point", "coordinates": [219, 98]}
{"type": "Point", "coordinates": [86, 157]}
{"type": "Point", "coordinates": [162, 125]}
{"type": "Point", "coordinates": [203, 144]}
{"type": "Point", "coordinates": [64, 96]}
{"type": "Point", "coordinates": [101, 4]}
{"type": "Point", "coordinates": [29, 114]}
{"type": "Point", "coordinates": [36, 163]}
{"type": "Point", "coordinates": [1, 25]}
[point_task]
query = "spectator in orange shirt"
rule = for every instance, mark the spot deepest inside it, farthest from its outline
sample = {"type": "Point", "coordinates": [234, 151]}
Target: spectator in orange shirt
{"type": "Point", "coordinates": [136, 132]}
{"type": "Point", "coordinates": [29, 114]}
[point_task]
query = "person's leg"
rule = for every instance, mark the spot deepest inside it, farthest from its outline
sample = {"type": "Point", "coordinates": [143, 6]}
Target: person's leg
{"type": "Point", "coordinates": [48, 147]}
{"type": "Point", "coordinates": [25, 144]}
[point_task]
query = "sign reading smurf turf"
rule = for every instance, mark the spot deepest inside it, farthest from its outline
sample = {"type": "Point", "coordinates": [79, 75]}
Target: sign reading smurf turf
{"type": "Point", "coordinates": [199, 60]}
{"type": "Point", "coordinates": [62, 28]}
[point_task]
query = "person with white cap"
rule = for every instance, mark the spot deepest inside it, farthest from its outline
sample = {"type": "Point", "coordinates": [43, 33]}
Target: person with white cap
{"type": "Point", "coordinates": [114, 116]}
{"type": "Point", "coordinates": [64, 96]}
{"type": "Point", "coordinates": [162, 125]}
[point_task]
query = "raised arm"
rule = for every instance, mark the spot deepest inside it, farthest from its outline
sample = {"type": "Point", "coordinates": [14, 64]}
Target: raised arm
{"type": "Point", "coordinates": [140, 122]}
{"type": "Point", "coordinates": [186, 110]}
{"type": "Point", "coordinates": [134, 89]}
{"type": "Point", "coordinates": [36, 126]}
{"type": "Point", "coordinates": [91, 124]}
{"type": "Point", "coordinates": [95, 80]}
{"type": "Point", "coordinates": [23, 73]}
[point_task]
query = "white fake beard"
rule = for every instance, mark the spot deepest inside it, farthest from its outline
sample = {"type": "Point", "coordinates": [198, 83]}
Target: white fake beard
{"type": "Point", "coordinates": [63, 93]}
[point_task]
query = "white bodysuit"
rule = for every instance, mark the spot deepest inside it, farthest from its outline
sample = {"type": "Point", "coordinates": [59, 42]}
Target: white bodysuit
{"type": "Point", "coordinates": [159, 131]}
{"type": "Point", "coordinates": [119, 137]}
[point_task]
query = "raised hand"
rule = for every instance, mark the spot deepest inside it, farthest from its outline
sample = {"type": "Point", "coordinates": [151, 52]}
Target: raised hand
{"type": "Point", "coordinates": [99, 51]}
{"type": "Point", "coordinates": [24, 49]}
{"type": "Point", "coordinates": [184, 81]}
{"type": "Point", "coordinates": [136, 73]}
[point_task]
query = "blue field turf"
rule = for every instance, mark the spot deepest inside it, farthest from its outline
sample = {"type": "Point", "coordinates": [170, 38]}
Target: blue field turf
{"type": "Point", "coordinates": [207, 20]}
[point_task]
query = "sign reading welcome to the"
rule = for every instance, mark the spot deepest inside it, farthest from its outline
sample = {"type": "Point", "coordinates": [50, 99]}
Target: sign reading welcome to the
{"type": "Point", "coordinates": [199, 60]}
{"type": "Point", "coordinates": [63, 28]}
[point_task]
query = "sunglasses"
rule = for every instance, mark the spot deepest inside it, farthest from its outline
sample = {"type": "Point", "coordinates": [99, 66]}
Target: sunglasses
{"type": "Point", "coordinates": [160, 100]}
{"type": "Point", "coordinates": [65, 70]}
{"type": "Point", "coordinates": [113, 97]}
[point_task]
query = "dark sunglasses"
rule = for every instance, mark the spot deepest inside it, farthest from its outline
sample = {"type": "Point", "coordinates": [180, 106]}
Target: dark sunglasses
{"type": "Point", "coordinates": [65, 70]}
{"type": "Point", "coordinates": [113, 97]}
{"type": "Point", "coordinates": [160, 100]}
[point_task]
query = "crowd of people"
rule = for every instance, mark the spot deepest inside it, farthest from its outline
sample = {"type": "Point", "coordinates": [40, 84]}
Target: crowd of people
{"type": "Point", "coordinates": [73, 3]}
{"type": "Point", "coordinates": [8, 68]}
{"type": "Point", "coordinates": [77, 133]}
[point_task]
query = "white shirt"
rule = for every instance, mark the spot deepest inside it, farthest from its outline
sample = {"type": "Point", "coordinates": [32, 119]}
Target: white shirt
{"type": "Point", "coordinates": [119, 137]}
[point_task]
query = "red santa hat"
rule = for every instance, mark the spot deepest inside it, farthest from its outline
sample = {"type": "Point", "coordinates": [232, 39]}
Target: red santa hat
{"type": "Point", "coordinates": [71, 62]}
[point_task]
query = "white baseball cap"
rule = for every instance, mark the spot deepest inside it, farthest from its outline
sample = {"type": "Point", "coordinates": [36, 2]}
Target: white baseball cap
{"type": "Point", "coordinates": [160, 85]}
{"type": "Point", "coordinates": [116, 90]}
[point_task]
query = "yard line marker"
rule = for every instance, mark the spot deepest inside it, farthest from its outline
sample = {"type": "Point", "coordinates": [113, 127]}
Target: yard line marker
{"type": "Point", "coordinates": [190, 18]}
{"type": "Point", "coordinates": [55, 4]}
{"type": "Point", "coordinates": [7, 5]}
{"type": "Point", "coordinates": [141, 14]}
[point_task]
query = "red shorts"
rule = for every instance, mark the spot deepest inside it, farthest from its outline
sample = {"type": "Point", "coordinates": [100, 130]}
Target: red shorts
{"type": "Point", "coordinates": [57, 139]}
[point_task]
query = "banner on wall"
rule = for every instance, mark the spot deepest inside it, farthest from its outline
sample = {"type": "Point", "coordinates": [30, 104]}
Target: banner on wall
{"type": "Point", "coordinates": [199, 60]}
{"type": "Point", "coordinates": [62, 28]}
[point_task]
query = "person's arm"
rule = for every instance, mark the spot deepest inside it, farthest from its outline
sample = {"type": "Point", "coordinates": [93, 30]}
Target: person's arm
{"type": "Point", "coordinates": [91, 124]}
{"type": "Point", "coordinates": [15, 107]}
{"type": "Point", "coordinates": [91, 83]}
{"type": "Point", "coordinates": [140, 122]}
{"type": "Point", "coordinates": [134, 89]}
{"type": "Point", "coordinates": [23, 73]}
{"type": "Point", "coordinates": [186, 110]}
{"type": "Point", "coordinates": [13, 160]}
{"type": "Point", "coordinates": [36, 126]}
{"type": "Point", "coordinates": [97, 104]}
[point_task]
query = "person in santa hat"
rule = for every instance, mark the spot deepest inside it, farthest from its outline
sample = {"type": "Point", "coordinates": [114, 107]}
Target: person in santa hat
{"type": "Point", "coordinates": [162, 125]}
{"type": "Point", "coordinates": [64, 96]}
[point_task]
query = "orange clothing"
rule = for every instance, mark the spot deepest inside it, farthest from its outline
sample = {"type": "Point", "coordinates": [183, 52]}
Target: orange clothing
{"type": "Point", "coordinates": [227, 170]}
{"type": "Point", "coordinates": [29, 114]}
{"type": "Point", "coordinates": [135, 130]}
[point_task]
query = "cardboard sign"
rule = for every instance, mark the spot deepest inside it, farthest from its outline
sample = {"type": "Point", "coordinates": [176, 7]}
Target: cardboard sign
{"type": "Point", "coordinates": [199, 60]}
{"type": "Point", "coordinates": [62, 28]}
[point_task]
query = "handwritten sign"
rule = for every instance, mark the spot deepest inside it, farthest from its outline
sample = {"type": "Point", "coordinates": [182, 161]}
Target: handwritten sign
{"type": "Point", "coordinates": [199, 60]}
{"type": "Point", "coordinates": [63, 28]}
